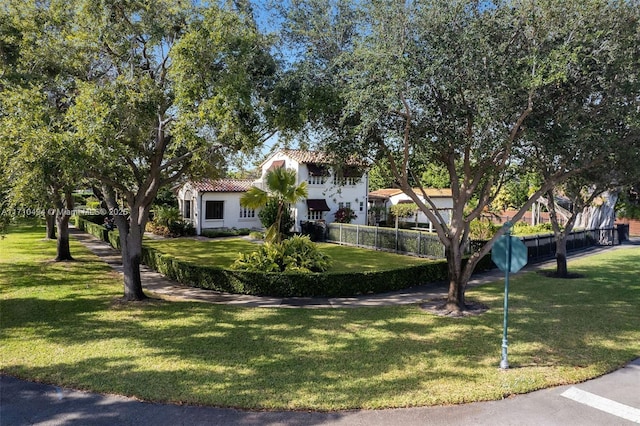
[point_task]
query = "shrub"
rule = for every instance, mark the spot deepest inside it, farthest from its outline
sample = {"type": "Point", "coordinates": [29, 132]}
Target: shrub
{"type": "Point", "coordinates": [214, 233]}
{"type": "Point", "coordinates": [345, 215]}
{"type": "Point", "coordinates": [482, 229]}
{"type": "Point", "coordinates": [523, 228]}
{"type": "Point", "coordinates": [296, 254]}
{"type": "Point", "coordinates": [165, 215]}
{"type": "Point", "coordinates": [269, 213]}
{"type": "Point", "coordinates": [167, 222]}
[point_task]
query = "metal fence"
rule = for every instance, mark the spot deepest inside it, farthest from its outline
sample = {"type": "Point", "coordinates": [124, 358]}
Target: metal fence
{"type": "Point", "coordinates": [419, 243]}
{"type": "Point", "coordinates": [542, 247]}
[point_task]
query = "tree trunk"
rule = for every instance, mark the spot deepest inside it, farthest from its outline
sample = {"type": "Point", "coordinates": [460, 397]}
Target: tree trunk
{"type": "Point", "coordinates": [62, 225]}
{"type": "Point", "coordinates": [63, 214]}
{"type": "Point", "coordinates": [455, 296]}
{"type": "Point", "coordinates": [51, 225]}
{"type": "Point", "coordinates": [131, 248]}
{"type": "Point", "coordinates": [561, 256]}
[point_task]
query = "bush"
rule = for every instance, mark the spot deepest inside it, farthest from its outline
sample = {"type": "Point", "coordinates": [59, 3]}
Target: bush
{"type": "Point", "coordinates": [215, 233]}
{"type": "Point", "coordinates": [269, 213]}
{"type": "Point", "coordinates": [296, 254]}
{"type": "Point", "coordinates": [345, 215]}
{"type": "Point", "coordinates": [482, 229]}
{"type": "Point", "coordinates": [167, 222]}
{"type": "Point", "coordinates": [523, 228]}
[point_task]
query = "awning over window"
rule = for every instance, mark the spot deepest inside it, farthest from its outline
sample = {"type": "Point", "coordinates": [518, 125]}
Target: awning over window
{"type": "Point", "coordinates": [276, 165]}
{"type": "Point", "coordinates": [318, 205]}
{"type": "Point", "coordinates": [317, 170]}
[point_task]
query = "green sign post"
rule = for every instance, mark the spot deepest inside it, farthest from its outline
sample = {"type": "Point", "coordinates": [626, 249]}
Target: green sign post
{"type": "Point", "coordinates": [510, 255]}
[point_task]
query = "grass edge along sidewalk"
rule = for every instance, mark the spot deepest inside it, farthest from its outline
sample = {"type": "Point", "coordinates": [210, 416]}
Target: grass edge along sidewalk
{"type": "Point", "coordinates": [62, 323]}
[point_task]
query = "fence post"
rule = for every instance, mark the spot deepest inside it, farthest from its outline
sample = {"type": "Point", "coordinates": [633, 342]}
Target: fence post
{"type": "Point", "coordinates": [419, 245]}
{"type": "Point", "coordinates": [340, 234]}
{"type": "Point", "coordinates": [358, 235]}
{"type": "Point", "coordinates": [375, 238]}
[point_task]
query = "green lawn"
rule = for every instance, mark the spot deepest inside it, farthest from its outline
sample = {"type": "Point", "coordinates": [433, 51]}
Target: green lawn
{"type": "Point", "coordinates": [63, 323]}
{"type": "Point", "coordinates": [223, 253]}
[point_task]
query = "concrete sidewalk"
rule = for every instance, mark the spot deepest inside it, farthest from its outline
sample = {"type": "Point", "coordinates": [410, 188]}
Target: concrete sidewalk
{"type": "Point", "coordinates": [159, 285]}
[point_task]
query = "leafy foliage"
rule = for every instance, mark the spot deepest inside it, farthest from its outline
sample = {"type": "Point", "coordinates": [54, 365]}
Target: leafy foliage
{"type": "Point", "coordinates": [345, 215]}
{"type": "Point", "coordinates": [282, 189]}
{"type": "Point", "coordinates": [480, 229]}
{"type": "Point", "coordinates": [403, 209]}
{"type": "Point", "coordinates": [295, 254]}
{"type": "Point", "coordinates": [269, 215]}
{"type": "Point", "coordinates": [168, 222]}
{"type": "Point", "coordinates": [471, 89]}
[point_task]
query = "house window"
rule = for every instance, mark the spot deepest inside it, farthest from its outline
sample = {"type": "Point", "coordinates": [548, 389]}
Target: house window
{"type": "Point", "coordinates": [361, 206]}
{"type": "Point", "coordinates": [214, 210]}
{"type": "Point", "coordinates": [246, 213]}
{"type": "Point", "coordinates": [317, 180]}
{"type": "Point", "coordinates": [345, 181]}
{"type": "Point", "coordinates": [314, 214]}
{"type": "Point", "coordinates": [317, 174]}
{"type": "Point", "coordinates": [340, 205]}
{"type": "Point", "coordinates": [348, 205]}
{"type": "Point", "coordinates": [187, 209]}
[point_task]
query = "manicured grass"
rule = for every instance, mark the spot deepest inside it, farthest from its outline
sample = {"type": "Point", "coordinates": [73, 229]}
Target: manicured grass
{"type": "Point", "coordinates": [62, 323]}
{"type": "Point", "coordinates": [223, 253]}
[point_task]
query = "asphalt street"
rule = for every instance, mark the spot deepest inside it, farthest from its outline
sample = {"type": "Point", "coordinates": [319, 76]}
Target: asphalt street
{"type": "Point", "coordinates": [613, 399]}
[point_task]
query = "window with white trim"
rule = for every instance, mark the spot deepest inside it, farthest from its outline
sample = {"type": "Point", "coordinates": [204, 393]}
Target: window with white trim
{"type": "Point", "coordinates": [315, 214]}
{"type": "Point", "coordinates": [247, 213]}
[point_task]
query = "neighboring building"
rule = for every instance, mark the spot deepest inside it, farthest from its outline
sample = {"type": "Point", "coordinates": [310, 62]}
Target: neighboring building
{"type": "Point", "coordinates": [216, 203]}
{"type": "Point", "coordinates": [381, 200]}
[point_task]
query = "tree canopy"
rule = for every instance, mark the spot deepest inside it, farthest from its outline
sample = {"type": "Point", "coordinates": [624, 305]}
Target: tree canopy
{"type": "Point", "coordinates": [465, 85]}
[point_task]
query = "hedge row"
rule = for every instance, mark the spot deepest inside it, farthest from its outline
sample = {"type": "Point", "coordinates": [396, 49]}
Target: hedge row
{"type": "Point", "coordinates": [325, 284]}
{"type": "Point", "coordinates": [98, 231]}
{"type": "Point", "coordinates": [283, 284]}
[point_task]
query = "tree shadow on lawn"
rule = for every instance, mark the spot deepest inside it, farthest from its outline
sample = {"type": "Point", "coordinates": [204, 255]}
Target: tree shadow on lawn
{"type": "Point", "coordinates": [578, 322]}
{"type": "Point", "coordinates": [243, 357]}
{"type": "Point", "coordinates": [261, 358]}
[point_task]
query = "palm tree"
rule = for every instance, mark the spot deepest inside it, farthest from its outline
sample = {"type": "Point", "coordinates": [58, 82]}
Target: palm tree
{"type": "Point", "coordinates": [281, 187]}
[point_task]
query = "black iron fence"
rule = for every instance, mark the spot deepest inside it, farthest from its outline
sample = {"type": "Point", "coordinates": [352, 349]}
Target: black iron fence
{"type": "Point", "coordinates": [426, 244]}
{"type": "Point", "coordinates": [417, 243]}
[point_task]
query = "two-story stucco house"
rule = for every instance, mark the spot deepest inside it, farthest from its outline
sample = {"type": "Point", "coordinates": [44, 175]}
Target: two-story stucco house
{"type": "Point", "coordinates": [331, 185]}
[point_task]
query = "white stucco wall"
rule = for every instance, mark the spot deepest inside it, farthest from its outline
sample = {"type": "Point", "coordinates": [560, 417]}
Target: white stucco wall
{"type": "Point", "coordinates": [231, 212]}
{"type": "Point", "coordinates": [333, 194]}
{"type": "Point", "coordinates": [443, 204]}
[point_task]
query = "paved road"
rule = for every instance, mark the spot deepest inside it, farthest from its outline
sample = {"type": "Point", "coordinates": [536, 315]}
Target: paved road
{"type": "Point", "coordinates": [613, 399]}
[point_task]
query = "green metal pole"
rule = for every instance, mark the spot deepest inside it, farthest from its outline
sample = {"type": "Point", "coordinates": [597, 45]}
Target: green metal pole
{"type": "Point", "coordinates": [504, 364]}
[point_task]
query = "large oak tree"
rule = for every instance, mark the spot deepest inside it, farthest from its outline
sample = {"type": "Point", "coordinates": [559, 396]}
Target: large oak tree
{"type": "Point", "coordinates": [173, 88]}
{"type": "Point", "coordinates": [452, 83]}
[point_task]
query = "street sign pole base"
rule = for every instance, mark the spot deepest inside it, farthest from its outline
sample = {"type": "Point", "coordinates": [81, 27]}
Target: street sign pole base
{"type": "Point", "coordinates": [504, 364]}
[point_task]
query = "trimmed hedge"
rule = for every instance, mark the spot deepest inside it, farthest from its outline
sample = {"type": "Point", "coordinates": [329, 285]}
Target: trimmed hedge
{"type": "Point", "coordinates": [98, 231]}
{"type": "Point", "coordinates": [324, 284]}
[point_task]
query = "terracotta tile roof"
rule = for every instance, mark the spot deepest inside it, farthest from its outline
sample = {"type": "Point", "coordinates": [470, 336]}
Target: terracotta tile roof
{"type": "Point", "coordinates": [223, 185]}
{"type": "Point", "coordinates": [431, 192]}
{"type": "Point", "coordinates": [318, 157]}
